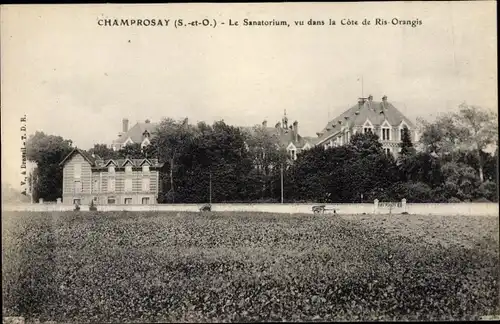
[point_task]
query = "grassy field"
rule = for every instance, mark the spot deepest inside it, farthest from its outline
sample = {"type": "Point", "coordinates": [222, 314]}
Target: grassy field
{"type": "Point", "coordinates": [150, 267]}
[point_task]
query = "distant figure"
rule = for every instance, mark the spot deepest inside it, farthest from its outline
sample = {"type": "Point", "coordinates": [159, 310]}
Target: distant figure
{"type": "Point", "coordinates": [205, 208]}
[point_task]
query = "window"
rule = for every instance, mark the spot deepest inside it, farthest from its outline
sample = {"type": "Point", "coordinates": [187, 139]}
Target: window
{"type": "Point", "coordinates": [77, 171]}
{"type": "Point", "coordinates": [111, 200]}
{"type": "Point", "coordinates": [386, 134]}
{"type": "Point", "coordinates": [95, 198]}
{"type": "Point", "coordinates": [111, 169]}
{"type": "Point", "coordinates": [387, 151]}
{"type": "Point", "coordinates": [111, 185]}
{"type": "Point", "coordinates": [77, 202]}
{"type": "Point", "coordinates": [401, 132]}
{"type": "Point", "coordinates": [127, 201]}
{"type": "Point", "coordinates": [145, 200]}
{"type": "Point", "coordinates": [96, 186]}
{"type": "Point", "coordinates": [293, 154]}
{"type": "Point", "coordinates": [145, 184]}
{"type": "Point", "coordinates": [128, 185]}
{"type": "Point", "coordinates": [78, 187]}
{"type": "Point", "coordinates": [145, 168]}
{"type": "Point", "coordinates": [128, 169]}
{"type": "Point", "coordinates": [367, 130]}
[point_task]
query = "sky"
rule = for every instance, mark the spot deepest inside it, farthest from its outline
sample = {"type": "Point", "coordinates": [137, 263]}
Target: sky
{"type": "Point", "coordinates": [76, 79]}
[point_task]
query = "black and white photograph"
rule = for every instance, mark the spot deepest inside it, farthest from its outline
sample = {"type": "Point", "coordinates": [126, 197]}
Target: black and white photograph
{"type": "Point", "coordinates": [249, 162]}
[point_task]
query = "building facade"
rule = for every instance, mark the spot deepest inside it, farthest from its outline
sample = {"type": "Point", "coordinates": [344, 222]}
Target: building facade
{"type": "Point", "coordinates": [378, 117]}
{"type": "Point", "coordinates": [125, 181]}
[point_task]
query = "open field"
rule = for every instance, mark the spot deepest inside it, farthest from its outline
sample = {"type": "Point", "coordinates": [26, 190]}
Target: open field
{"type": "Point", "coordinates": [128, 266]}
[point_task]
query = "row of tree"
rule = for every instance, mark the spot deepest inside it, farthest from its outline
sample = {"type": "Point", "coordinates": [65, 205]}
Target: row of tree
{"type": "Point", "coordinates": [220, 163]}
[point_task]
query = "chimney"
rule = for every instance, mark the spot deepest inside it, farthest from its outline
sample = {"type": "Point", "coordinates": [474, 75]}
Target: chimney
{"type": "Point", "coordinates": [125, 125]}
{"type": "Point", "coordinates": [360, 103]}
{"type": "Point", "coordinates": [296, 131]}
{"type": "Point", "coordinates": [147, 121]}
{"type": "Point", "coordinates": [384, 102]}
{"type": "Point", "coordinates": [264, 123]}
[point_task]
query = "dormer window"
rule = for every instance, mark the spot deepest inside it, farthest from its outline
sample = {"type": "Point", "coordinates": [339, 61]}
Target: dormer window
{"type": "Point", "coordinates": [385, 130]}
{"type": "Point", "coordinates": [146, 134]}
{"type": "Point", "coordinates": [111, 169]}
{"type": "Point", "coordinates": [367, 127]}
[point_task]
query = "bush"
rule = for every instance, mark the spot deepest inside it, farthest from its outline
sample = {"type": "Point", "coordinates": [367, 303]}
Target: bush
{"type": "Point", "coordinates": [414, 192]}
{"type": "Point", "coordinates": [488, 190]}
{"type": "Point", "coordinates": [454, 200]}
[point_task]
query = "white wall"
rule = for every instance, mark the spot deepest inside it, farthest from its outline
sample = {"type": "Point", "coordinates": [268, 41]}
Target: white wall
{"type": "Point", "coordinates": [468, 209]}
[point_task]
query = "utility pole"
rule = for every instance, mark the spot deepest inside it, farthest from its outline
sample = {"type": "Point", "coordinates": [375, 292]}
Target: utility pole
{"type": "Point", "coordinates": [282, 182]}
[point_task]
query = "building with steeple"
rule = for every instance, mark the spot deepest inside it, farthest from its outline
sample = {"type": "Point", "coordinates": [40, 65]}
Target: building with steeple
{"type": "Point", "coordinates": [288, 135]}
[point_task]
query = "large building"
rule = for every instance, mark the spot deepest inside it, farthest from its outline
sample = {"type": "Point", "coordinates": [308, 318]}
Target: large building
{"type": "Point", "coordinates": [378, 117]}
{"type": "Point", "coordinates": [88, 178]}
{"type": "Point", "coordinates": [288, 136]}
{"type": "Point", "coordinates": [140, 133]}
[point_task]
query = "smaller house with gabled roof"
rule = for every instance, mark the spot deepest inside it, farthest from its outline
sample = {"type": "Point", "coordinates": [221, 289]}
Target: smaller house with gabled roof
{"type": "Point", "coordinates": [379, 117]}
{"type": "Point", "coordinates": [89, 178]}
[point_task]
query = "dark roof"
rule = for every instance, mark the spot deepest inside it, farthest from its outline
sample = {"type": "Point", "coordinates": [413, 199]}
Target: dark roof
{"type": "Point", "coordinates": [120, 163]}
{"type": "Point", "coordinates": [135, 133]}
{"type": "Point", "coordinates": [96, 162]}
{"type": "Point", "coordinates": [375, 111]}
{"type": "Point", "coordinates": [88, 157]}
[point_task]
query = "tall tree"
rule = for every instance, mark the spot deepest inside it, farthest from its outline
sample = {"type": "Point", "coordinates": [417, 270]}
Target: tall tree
{"type": "Point", "coordinates": [103, 151]}
{"type": "Point", "coordinates": [171, 139]}
{"type": "Point", "coordinates": [406, 143]}
{"type": "Point", "coordinates": [132, 151]}
{"type": "Point", "coordinates": [472, 129]}
{"type": "Point", "coordinates": [268, 156]}
{"type": "Point", "coordinates": [47, 151]}
{"type": "Point", "coordinates": [441, 137]}
{"type": "Point", "coordinates": [479, 129]}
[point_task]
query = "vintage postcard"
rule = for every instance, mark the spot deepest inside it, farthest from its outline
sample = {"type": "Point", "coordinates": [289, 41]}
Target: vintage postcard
{"type": "Point", "coordinates": [249, 162]}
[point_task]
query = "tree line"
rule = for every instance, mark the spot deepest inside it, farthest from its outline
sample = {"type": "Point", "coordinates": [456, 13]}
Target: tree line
{"type": "Point", "coordinates": [223, 163]}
